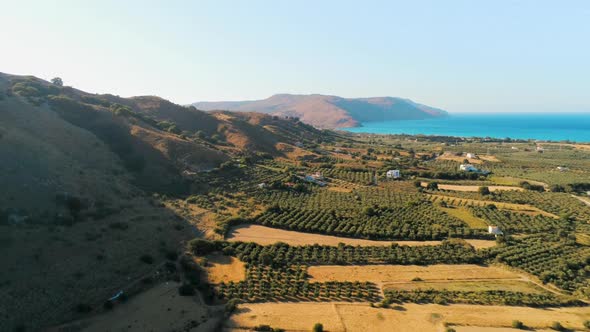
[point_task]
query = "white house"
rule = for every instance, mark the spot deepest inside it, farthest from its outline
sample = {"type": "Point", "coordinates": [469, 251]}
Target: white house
{"type": "Point", "coordinates": [471, 156]}
{"type": "Point", "coordinates": [467, 168]}
{"type": "Point", "coordinates": [494, 230]}
{"type": "Point", "coordinates": [562, 168]}
{"type": "Point", "coordinates": [393, 174]}
{"type": "Point", "coordinates": [262, 185]}
{"type": "Point", "coordinates": [540, 149]}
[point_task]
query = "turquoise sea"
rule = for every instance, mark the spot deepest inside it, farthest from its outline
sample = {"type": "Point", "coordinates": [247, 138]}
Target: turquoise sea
{"type": "Point", "coordinates": [541, 126]}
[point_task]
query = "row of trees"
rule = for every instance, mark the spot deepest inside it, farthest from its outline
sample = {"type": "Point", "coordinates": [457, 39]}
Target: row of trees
{"type": "Point", "coordinates": [290, 283]}
{"type": "Point", "coordinates": [517, 222]}
{"type": "Point", "coordinates": [280, 254]}
{"type": "Point", "coordinates": [419, 221]}
{"type": "Point", "coordinates": [554, 259]}
{"type": "Point", "coordinates": [487, 297]}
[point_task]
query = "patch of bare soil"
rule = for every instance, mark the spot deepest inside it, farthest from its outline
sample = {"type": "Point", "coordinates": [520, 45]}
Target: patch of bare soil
{"type": "Point", "coordinates": [158, 309]}
{"type": "Point", "coordinates": [224, 268]}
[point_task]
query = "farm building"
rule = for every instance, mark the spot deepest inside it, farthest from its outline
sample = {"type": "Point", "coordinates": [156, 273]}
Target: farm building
{"type": "Point", "coordinates": [494, 230]}
{"type": "Point", "coordinates": [393, 174]}
{"type": "Point", "coordinates": [540, 149]}
{"type": "Point", "coordinates": [468, 168]}
{"type": "Point", "coordinates": [562, 168]}
{"type": "Point", "coordinates": [471, 156]}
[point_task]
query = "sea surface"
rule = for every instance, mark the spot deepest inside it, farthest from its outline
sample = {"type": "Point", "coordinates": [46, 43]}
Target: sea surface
{"type": "Point", "coordinates": [540, 126]}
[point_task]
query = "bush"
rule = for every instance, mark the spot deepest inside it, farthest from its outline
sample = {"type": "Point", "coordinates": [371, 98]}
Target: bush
{"type": "Point", "coordinates": [83, 308]}
{"type": "Point", "coordinates": [171, 255]}
{"type": "Point", "coordinates": [231, 306]}
{"type": "Point", "coordinates": [484, 190]}
{"type": "Point", "coordinates": [318, 327]}
{"type": "Point", "coordinates": [186, 290]}
{"type": "Point", "coordinates": [148, 259]}
{"type": "Point", "coordinates": [517, 324]}
{"type": "Point", "coordinates": [108, 305]}
{"type": "Point", "coordinates": [557, 326]}
{"type": "Point", "coordinates": [119, 225]}
{"type": "Point", "coordinates": [587, 324]}
{"type": "Point", "coordinates": [432, 186]}
{"type": "Point", "coordinates": [202, 247]}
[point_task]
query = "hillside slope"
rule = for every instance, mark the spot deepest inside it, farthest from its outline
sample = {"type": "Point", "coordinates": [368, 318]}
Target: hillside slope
{"type": "Point", "coordinates": [83, 178]}
{"type": "Point", "coordinates": [331, 111]}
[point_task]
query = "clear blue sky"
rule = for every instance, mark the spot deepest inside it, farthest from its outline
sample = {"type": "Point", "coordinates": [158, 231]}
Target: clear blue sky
{"type": "Point", "coordinates": [459, 55]}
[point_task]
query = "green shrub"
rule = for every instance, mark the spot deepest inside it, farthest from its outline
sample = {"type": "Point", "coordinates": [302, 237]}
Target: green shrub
{"type": "Point", "coordinates": [517, 324]}
{"type": "Point", "coordinates": [83, 308]}
{"type": "Point", "coordinates": [186, 290]}
{"type": "Point", "coordinates": [146, 258]}
{"type": "Point", "coordinates": [557, 326]}
{"type": "Point", "coordinates": [318, 327]}
{"type": "Point", "coordinates": [119, 225]}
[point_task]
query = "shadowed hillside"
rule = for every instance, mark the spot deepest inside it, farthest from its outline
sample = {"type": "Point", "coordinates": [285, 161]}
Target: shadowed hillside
{"type": "Point", "coordinates": [83, 178]}
{"type": "Point", "coordinates": [331, 111]}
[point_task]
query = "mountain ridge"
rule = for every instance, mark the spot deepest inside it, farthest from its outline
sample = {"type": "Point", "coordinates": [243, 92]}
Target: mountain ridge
{"type": "Point", "coordinates": [328, 111]}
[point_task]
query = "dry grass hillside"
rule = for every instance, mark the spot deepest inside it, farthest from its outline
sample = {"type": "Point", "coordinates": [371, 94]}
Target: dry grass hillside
{"type": "Point", "coordinates": [82, 175]}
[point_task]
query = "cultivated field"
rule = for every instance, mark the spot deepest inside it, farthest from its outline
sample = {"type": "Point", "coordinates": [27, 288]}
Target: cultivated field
{"type": "Point", "coordinates": [464, 214]}
{"type": "Point", "coordinates": [479, 160]}
{"type": "Point", "coordinates": [476, 285]}
{"type": "Point", "coordinates": [353, 317]}
{"type": "Point", "coordinates": [267, 235]}
{"type": "Point", "coordinates": [389, 274]}
{"type": "Point", "coordinates": [469, 188]}
{"type": "Point", "coordinates": [522, 208]}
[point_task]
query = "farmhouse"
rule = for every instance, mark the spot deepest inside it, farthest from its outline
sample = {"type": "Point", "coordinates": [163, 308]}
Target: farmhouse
{"type": "Point", "coordinates": [494, 230]}
{"type": "Point", "coordinates": [468, 168]}
{"type": "Point", "coordinates": [540, 149]}
{"type": "Point", "coordinates": [562, 168]}
{"type": "Point", "coordinates": [393, 174]}
{"type": "Point", "coordinates": [471, 156]}
{"type": "Point", "coordinates": [316, 178]}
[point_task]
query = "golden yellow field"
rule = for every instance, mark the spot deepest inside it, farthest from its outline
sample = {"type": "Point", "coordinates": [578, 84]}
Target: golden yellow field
{"type": "Point", "coordinates": [267, 235]}
{"type": "Point", "coordinates": [224, 268]}
{"type": "Point", "coordinates": [352, 317]}
{"type": "Point", "coordinates": [388, 274]}
{"type": "Point", "coordinates": [477, 285]}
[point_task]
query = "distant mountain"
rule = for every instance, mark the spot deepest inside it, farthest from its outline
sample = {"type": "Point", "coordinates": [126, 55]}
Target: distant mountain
{"type": "Point", "coordinates": [331, 111]}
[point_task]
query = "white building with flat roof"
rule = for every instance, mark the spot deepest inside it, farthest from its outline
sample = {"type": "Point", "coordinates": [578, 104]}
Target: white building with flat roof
{"type": "Point", "coordinates": [393, 174]}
